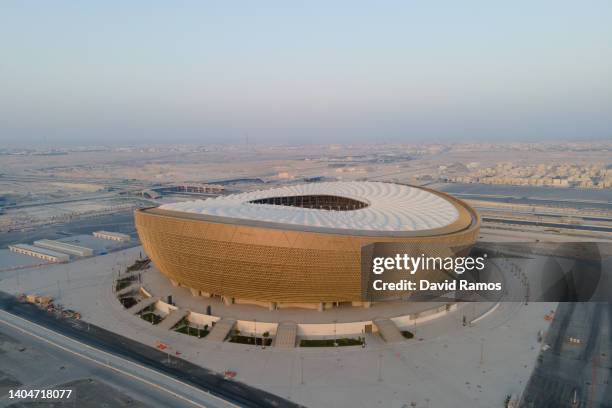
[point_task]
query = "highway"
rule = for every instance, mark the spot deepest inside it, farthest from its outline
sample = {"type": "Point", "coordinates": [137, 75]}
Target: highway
{"type": "Point", "coordinates": [575, 372]}
{"type": "Point", "coordinates": [558, 197]}
{"type": "Point", "coordinates": [51, 351]}
{"type": "Point", "coordinates": [178, 378]}
{"type": "Point", "coordinates": [114, 183]}
{"type": "Point", "coordinates": [530, 211]}
{"type": "Point", "coordinates": [74, 199]}
{"type": "Point", "coordinates": [597, 228]}
{"type": "Point", "coordinates": [534, 200]}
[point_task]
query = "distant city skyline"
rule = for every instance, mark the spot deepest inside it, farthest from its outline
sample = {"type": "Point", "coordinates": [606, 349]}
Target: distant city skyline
{"type": "Point", "coordinates": [289, 73]}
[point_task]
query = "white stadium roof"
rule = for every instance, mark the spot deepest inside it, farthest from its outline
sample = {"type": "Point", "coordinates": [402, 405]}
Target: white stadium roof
{"type": "Point", "coordinates": [390, 207]}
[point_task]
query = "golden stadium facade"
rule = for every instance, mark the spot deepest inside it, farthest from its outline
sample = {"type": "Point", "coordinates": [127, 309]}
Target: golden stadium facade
{"type": "Point", "coordinates": [295, 245]}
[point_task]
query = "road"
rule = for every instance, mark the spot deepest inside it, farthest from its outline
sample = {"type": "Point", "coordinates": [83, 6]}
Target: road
{"type": "Point", "coordinates": [567, 203]}
{"type": "Point", "coordinates": [74, 199]}
{"type": "Point", "coordinates": [598, 228]}
{"type": "Point", "coordinates": [533, 195]}
{"type": "Point", "coordinates": [530, 211]}
{"type": "Point", "coordinates": [50, 352]}
{"type": "Point", "coordinates": [578, 362]}
{"type": "Point", "coordinates": [114, 183]}
{"type": "Point", "coordinates": [142, 362]}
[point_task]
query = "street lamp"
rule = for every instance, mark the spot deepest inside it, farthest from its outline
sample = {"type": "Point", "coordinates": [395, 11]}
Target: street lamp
{"type": "Point", "coordinates": [335, 337]}
{"type": "Point", "coordinates": [301, 369]}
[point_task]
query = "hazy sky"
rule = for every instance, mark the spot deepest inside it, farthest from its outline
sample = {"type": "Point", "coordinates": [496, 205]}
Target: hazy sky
{"type": "Point", "coordinates": [111, 72]}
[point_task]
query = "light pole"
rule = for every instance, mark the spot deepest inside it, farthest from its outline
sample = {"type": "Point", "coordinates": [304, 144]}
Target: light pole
{"type": "Point", "coordinates": [335, 337]}
{"type": "Point", "coordinates": [482, 351]}
{"type": "Point", "coordinates": [301, 369]}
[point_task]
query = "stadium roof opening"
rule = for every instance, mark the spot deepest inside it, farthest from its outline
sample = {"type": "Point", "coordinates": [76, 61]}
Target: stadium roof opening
{"type": "Point", "coordinates": [314, 201]}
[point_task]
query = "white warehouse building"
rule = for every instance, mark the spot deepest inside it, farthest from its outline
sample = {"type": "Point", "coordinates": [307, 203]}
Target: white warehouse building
{"type": "Point", "coordinates": [64, 247]}
{"type": "Point", "coordinates": [112, 236]}
{"type": "Point", "coordinates": [41, 253]}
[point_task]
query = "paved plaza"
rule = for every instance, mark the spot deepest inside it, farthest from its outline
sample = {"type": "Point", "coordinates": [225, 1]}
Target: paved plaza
{"type": "Point", "coordinates": [445, 365]}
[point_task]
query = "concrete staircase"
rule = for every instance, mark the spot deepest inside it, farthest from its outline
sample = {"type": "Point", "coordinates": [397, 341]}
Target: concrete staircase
{"type": "Point", "coordinates": [286, 334]}
{"type": "Point", "coordinates": [173, 318]}
{"type": "Point", "coordinates": [388, 330]}
{"type": "Point", "coordinates": [143, 304]}
{"type": "Point", "coordinates": [132, 288]}
{"type": "Point", "coordinates": [221, 330]}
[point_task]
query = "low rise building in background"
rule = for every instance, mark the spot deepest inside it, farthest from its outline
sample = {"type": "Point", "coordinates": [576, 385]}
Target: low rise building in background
{"type": "Point", "coordinates": [64, 247]}
{"type": "Point", "coordinates": [41, 253]}
{"type": "Point", "coordinates": [113, 236]}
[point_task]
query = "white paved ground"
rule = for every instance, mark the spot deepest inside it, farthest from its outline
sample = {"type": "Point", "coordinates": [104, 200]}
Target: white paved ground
{"type": "Point", "coordinates": [447, 365]}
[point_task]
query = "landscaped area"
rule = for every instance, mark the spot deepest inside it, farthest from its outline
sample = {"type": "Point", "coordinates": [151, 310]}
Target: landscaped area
{"type": "Point", "coordinates": [185, 328]}
{"type": "Point", "coordinates": [341, 342]}
{"type": "Point", "coordinates": [122, 283]}
{"type": "Point", "coordinates": [148, 314]}
{"type": "Point", "coordinates": [407, 334]}
{"type": "Point", "coordinates": [139, 265]}
{"type": "Point", "coordinates": [236, 337]}
{"type": "Point", "coordinates": [128, 301]}
{"type": "Point", "coordinates": [151, 317]}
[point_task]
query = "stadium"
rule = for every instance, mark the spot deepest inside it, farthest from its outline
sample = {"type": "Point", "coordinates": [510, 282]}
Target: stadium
{"type": "Point", "coordinates": [295, 246]}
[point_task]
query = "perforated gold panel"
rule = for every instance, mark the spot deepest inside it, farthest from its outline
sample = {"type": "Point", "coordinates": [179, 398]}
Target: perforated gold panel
{"type": "Point", "coordinates": [270, 263]}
